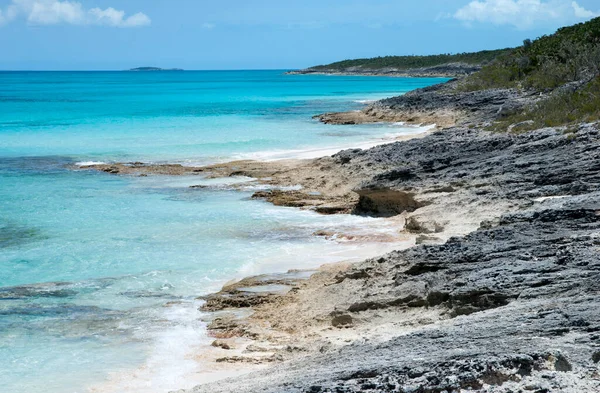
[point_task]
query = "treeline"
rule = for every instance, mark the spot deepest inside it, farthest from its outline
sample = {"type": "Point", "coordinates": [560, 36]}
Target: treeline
{"type": "Point", "coordinates": [410, 62]}
{"type": "Point", "coordinates": [564, 66]}
{"type": "Point", "coordinates": [571, 54]}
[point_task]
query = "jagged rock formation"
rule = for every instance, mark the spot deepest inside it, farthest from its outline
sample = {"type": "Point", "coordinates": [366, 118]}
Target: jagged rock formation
{"type": "Point", "coordinates": [445, 105]}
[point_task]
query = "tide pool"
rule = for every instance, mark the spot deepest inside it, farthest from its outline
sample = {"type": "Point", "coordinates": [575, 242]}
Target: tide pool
{"type": "Point", "coordinates": [100, 273]}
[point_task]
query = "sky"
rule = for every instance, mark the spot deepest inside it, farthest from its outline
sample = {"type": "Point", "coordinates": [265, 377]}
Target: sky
{"type": "Point", "coordinates": [263, 34]}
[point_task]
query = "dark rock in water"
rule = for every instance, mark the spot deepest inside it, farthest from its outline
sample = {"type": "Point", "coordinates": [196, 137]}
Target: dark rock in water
{"type": "Point", "coordinates": [64, 310]}
{"type": "Point", "coordinates": [48, 290]}
{"type": "Point", "coordinates": [237, 300]}
{"type": "Point", "coordinates": [148, 294]}
{"type": "Point", "coordinates": [253, 291]}
{"type": "Point", "coordinates": [12, 235]}
{"type": "Point", "coordinates": [331, 209]}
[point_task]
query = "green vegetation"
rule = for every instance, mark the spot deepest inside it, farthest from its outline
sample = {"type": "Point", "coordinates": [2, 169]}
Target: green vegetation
{"type": "Point", "coordinates": [564, 66]}
{"type": "Point", "coordinates": [560, 109]}
{"type": "Point", "coordinates": [571, 54]}
{"type": "Point", "coordinates": [409, 62]}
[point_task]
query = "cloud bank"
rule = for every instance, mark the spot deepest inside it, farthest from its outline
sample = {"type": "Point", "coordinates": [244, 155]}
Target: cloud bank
{"type": "Point", "coordinates": [522, 14]}
{"type": "Point", "coordinates": [54, 12]}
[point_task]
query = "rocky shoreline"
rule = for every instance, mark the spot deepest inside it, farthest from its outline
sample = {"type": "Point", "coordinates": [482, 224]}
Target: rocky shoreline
{"type": "Point", "coordinates": [510, 306]}
{"type": "Point", "coordinates": [508, 303]}
{"type": "Point", "coordinates": [499, 295]}
{"type": "Point", "coordinates": [446, 105]}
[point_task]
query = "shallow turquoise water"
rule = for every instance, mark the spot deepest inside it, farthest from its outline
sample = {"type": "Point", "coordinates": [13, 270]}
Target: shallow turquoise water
{"type": "Point", "coordinates": [88, 261]}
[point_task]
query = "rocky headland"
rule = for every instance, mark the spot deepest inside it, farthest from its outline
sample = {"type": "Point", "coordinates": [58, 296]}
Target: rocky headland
{"type": "Point", "coordinates": [447, 70]}
{"type": "Point", "coordinates": [431, 66]}
{"type": "Point", "coordinates": [501, 292]}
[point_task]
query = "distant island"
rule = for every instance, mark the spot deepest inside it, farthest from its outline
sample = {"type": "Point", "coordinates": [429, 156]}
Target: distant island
{"type": "Point", "coordinates": [444, 65]}
{"type": "Point", "coordinates": [154, 69]}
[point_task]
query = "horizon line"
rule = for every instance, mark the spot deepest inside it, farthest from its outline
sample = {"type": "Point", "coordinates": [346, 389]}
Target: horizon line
{"type": "Point", "coordinates": [150, 71]}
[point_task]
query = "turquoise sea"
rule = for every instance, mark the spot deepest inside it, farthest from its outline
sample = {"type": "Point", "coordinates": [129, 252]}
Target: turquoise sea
{"type": "Point", "coordinates": [99, 274]}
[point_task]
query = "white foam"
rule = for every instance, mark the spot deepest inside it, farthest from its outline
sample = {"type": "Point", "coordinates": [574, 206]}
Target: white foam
{"type": "Point", "coordinates": [378, 97]}
{"type": "Point", "coordinates": [310, 153]}
{"type": "Point", "coordinates": [266, 187]}
{"type": "Point", "coordinates": [171, 364]}
{"type": "Point", "coordinates": [180, 354]}
{"type": "Point", "coordinates": [89, 163]}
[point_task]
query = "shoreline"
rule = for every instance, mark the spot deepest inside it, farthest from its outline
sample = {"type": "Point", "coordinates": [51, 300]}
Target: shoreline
{"type": "Point", "coordinates": [281, 175]}
{"type": "Point", "coordinates": [504, 228]}
{"type": "Point", "coordinates": [225, 358]}
{"type": "Point", "coordinates": [235, 315]}
{"type": "Point", "coordinates": [480, 205]}
{"type": "Point", "coordinates": [390, 305]}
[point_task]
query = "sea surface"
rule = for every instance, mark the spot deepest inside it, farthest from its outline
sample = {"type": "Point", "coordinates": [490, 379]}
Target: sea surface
{"type": "Point", "coordinates": [100, 274]}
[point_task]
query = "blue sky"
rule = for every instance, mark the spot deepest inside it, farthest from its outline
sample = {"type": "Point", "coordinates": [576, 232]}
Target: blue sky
{"type": "Point", "coordinates": [259, 34]}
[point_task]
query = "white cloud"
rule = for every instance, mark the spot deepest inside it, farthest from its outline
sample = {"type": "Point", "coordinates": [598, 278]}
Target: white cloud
{"type": "Point", "coordinates": [112, 17]}
{"type": "Point", "coordinates": [208, 26]}
{"type": "Point", "coordinates": [53, 12]}
{"type": "Point", "coordinates": [521, 13]}
{"type": "Point", "coordinates": [582, 13]}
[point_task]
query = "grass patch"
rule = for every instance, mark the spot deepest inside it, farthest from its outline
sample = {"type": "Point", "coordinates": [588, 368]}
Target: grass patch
{"type": "Point", "coordinates": [560, 109]}
{"type": "Point", "coordinates": [571, 54]}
